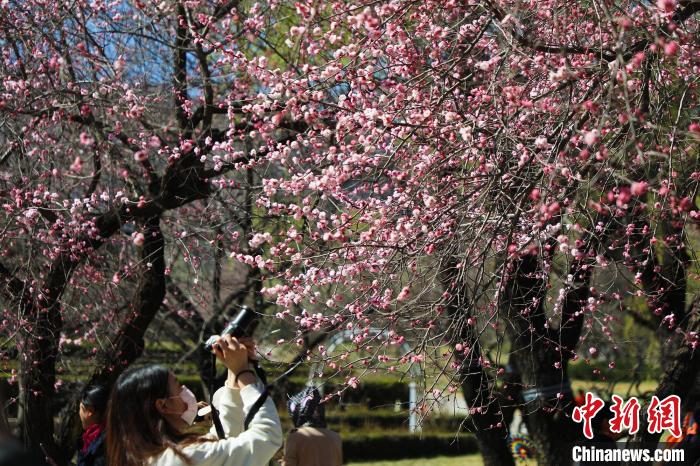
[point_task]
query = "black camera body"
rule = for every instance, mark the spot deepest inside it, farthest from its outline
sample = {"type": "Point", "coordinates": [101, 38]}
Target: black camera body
{"type": "Point", "coordinates": [241, 326]}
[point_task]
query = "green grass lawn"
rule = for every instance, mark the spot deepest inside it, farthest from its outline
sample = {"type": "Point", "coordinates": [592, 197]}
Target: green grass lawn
{"type": "Point", "coordinates": [469, 460]}
{"type": "Point", "coordinates": [620, 388]}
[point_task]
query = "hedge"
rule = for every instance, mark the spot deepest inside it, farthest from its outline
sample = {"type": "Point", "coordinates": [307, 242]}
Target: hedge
{"type": "Point", "coordinates": [372, 392]}
{"type": "Point", "coordinates": [399, 446]}
{"type": "Point", "coordinates": [359, 419]}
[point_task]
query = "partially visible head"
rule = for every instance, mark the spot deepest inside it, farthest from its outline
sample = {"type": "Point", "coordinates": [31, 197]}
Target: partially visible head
{"type": "Point", "coordinates": [306, 408]}
{"type": "Point", "coordinates": [601, 423]}
{"type": "Point", "coordinates": [93, 405]}
{"type": "Point", "coordinates": [144, 415]}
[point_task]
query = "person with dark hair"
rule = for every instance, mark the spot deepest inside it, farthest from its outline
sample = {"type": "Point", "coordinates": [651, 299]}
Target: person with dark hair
{"type": "Point", "coordinates": [93, 407]}
{"type": "Point", "coordinates": [149, 413]}
{"type": "Point", "coordinates": [603, 436]}
{"type": "Point", "coordinates": [311, 443]}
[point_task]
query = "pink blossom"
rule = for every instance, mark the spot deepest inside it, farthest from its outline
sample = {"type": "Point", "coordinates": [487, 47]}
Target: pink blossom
{"type": "Point", "coordinates": [638, 188]}
{"type": "Point", "coordinates": [591, 137]}
{"type": "Point", "coordinates": [671, 48]}
{"type": "Point", "coordinates": [186, 146]}
{"type": "Point", "coordinates": [685, 204]}
{"type": "Point", "coordinates": [623, 197]}
{"type": "Point", "coordinates": [666, 6]}
{"type": "Point", "coordinates": [403, 294]}
{"type": "Point", "coordinates": [31, 213]}
{"type": "Point", "coordinates": [259, 239]}
{"type": "Point", "coordinates": [140, 155]}
{"type": "Point", "coordinates": [77, 166]}
{"type": "Point", "coordinates": [86, 139]}
{"type": "Point", "coordinates": [139, 239]}
{"type": "Point", "coordinates": [277, 118]}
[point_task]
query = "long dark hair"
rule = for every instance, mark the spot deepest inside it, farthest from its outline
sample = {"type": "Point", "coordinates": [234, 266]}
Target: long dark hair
{"type": "Point", "coordinates": [136, 430]}
{"type": "Point", "coordinates": [96, 397]}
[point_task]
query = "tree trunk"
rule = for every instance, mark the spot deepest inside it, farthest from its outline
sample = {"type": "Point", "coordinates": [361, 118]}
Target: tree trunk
{"type": "Point", "coordinates": [547, 397]}
{"type": "Point", "coordinates": [38, 369]}
{"type": "Point", "coordinates": [490, 427]}
{"type": "Point", "coordinates": [487, 419]}
{"type": "Point", "coordinates": [129, 343]}
{"type": "Point", "coordinates": [678, 380]}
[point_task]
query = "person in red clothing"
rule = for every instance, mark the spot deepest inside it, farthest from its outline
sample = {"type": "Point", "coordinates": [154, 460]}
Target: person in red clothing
{"type": "Point", "coordinates": [91, 446]}
{"type": "Point", "coordinates": [689, 439]}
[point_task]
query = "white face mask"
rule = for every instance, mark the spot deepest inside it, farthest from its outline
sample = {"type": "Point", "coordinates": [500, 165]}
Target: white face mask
{"type": "Point", "coordinates": [191, 412]}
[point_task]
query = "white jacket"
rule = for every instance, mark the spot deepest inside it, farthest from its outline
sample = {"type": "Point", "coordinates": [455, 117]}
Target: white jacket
{"type": "Point", "coordinates": [254, 447]}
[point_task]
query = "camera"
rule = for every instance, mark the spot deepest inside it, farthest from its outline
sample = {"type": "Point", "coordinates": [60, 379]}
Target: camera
{"type": "Point", "coordinates": [241, 326]}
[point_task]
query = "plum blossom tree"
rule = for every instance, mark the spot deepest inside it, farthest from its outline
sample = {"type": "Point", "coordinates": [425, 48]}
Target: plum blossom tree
{"type": "Point", "coordinates": [511, 154]}
{"type": "Point", "coordinates": [453, 173]}
{"type": "Point", "coordinates": [108, 116]}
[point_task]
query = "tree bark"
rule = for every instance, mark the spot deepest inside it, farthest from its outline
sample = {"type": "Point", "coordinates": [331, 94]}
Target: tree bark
{"type": "Point", "coordinates": [534, 355]}
{"type": "Point", "coordinates": [679, 379]}
{"type": "Point", "coordinates": [486, 414]}
{"type": "Point", "coordinates": [129, 343]}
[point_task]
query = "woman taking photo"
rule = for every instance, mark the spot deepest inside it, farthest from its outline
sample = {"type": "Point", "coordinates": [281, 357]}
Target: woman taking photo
{"type": "Point", "coordinates": [149, 412]}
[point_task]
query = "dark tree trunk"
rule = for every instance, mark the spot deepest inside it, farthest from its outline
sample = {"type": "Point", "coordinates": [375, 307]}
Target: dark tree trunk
{"type": "Point", "coordinates": [489, 425]}
{"type": "Point", "coordinates": [679, 379]}
{"type": "Point", "coordinates": [38, 355]}
{"type": "Point", "coordinates": [548, 418]}
{"type": "Point", "coordinates": [129, 343]}
{"type": "Point", "coordinates": [547, 397]}
{"type": "Point", "coordinates": [487, 419]}
{"type": "Point", "coordinates": [38, 369]}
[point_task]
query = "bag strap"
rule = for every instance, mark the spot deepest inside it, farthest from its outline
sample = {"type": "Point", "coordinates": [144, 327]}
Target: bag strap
{"type": "Point", "coordinates": [253, 409]}
{"type": "Point", "coordinates": [261, 399]}
{"type": "Point", "coordinates": [215, 412]}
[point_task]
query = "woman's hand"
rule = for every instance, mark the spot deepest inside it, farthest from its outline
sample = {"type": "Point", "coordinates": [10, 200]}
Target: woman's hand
{"type": "Point", "coordinates": [232, 352]}
{"type": "Point", "coordinates": [251, 347]}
